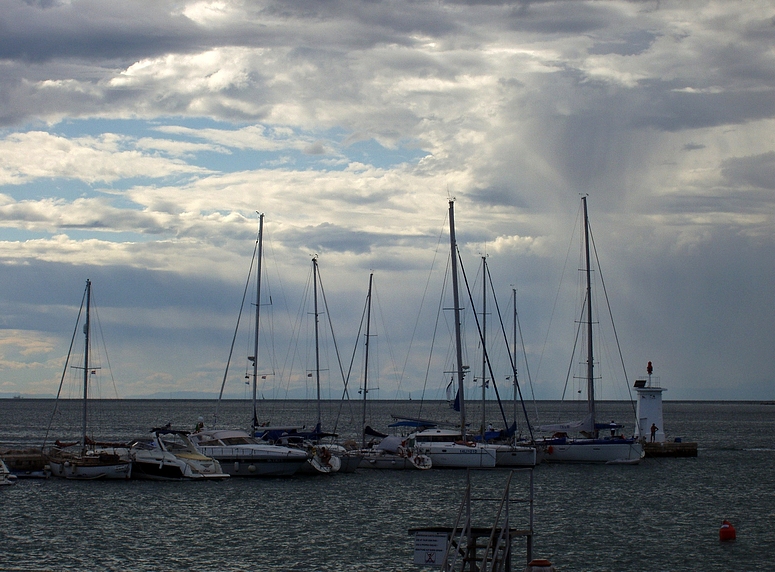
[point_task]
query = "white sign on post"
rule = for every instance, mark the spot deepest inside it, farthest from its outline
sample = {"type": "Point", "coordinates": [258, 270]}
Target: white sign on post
{"type": "Point", "coordinates": [429, 548]}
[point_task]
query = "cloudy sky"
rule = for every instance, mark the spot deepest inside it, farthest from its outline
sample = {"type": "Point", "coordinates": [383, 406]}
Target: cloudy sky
{"type": "Point", "coordinates": [138, 139]}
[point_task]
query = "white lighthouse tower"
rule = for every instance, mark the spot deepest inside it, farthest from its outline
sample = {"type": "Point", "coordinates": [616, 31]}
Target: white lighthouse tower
{"type": "Point", "coordinates": [649, 410]}
{"type": "Point", "coordinates": [649, 413]}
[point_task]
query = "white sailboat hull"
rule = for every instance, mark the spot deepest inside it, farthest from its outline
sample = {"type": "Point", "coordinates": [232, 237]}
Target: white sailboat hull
{"type": "Point", "coordinates": [458, 456]}
{"type": "Point", "coordinates": [385, 460]}
{"type": "Point", "coordinates": [448, 449]}
{"type": "Point", "coordinates": [89, 467]}
{"type": "Point", "coordinates": [257, 460]}
{"type": "Point", "coordinates": [590, 451]}
{"type": "Point", "coordinates": [515, 456]}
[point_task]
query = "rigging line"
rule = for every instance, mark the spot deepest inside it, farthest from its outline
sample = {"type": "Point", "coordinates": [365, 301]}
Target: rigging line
{"type": "Point", "coordinates": [508, 352]}
{"type": "Point", "coordinates": [64, 370]}
{"type": "Point", "coordinates": [557, 295]}
{"type": "Point", "coordinates": [611, 317]}
{"type": "Point", "coordinates": [439, 312]}
{"type": "Point", "coordinates": [284, 303]}
{"type": "Point", "coordinates": [481, 339]}
{"type": "Point", "coordinates": [267, 285]}
{"type": "Point", "coordinates": [422, 303]}
{"type": "Point", "coordinates": [573, 354]}
{"type": "Point", "coordinates": [333, 339]}
{"type": "Point", "coordinates": [524, 354]}
{"type": "Point", "coordinates": [104, 345]}
{"type": "Point", "coordinates": [295, 326]}
{"type": "Point", "coordinates": [349, 370]}
{"type": "Point", "coordinates": [527, 366]}
{"type": "Point", "coordinates": [376, 301]}
{"type": "Point", "coordinates": [236, 331]}
{"type": "Point", "coordinates": [295, 338]}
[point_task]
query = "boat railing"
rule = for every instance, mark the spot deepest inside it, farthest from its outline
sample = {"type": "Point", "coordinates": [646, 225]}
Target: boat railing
{"type": "Point", "coordinates": [232, 451]}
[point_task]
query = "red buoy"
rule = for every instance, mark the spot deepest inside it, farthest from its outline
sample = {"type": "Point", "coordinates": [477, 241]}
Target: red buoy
{"type": "Point", "coordinates": [727, 531]}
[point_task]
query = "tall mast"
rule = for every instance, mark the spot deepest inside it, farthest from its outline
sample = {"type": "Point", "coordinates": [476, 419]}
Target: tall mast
{"type": "Point", "coordinates": [514, 353]}
{"type": "Point", "coordinates": [484, 354]}
{"type": "Point", "coordinates": [258, 315]}
{"type": "Point", "coordinates": [86, 327]}
{"type": "Point", "coordinates": [456, 297]}
{"type": "Point", "coordinates": [590, 355]}
{"type": "Point", "coordinates": [366, 364]}
{"type": "Point", "coordinates": [317, 346]}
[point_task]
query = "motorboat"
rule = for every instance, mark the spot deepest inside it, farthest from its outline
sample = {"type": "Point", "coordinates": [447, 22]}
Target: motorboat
{"type": "Point", "coordinates": [241, 455]}
{"type": "Point", "coordinates": [172, 455]}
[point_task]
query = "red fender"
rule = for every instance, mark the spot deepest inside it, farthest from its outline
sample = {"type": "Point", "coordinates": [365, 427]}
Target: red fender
{"type": "Point", "coordinates": [727, 531]}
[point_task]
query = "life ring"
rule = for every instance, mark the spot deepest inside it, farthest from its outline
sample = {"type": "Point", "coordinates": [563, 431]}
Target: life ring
{"type": "Point", "coordinates": [550, 449]}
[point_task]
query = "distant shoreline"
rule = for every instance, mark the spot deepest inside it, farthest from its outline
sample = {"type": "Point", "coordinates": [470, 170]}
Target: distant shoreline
{"type": "Point", "coordinates": [159, 397]}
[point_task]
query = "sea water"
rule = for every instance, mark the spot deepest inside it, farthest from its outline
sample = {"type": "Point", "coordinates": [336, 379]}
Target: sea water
{"type": "Point", "coordinates": [660, 515]}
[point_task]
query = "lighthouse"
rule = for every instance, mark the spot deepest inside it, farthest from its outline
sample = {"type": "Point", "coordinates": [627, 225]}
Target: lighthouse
{"type": "Point", "coordinates": [649, 412]}
{"type": "Point", "coordinates": [649, 409]}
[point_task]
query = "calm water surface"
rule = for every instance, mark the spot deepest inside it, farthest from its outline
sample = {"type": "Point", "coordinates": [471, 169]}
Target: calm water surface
{"type": "Point", "coordinates": [661, 515]}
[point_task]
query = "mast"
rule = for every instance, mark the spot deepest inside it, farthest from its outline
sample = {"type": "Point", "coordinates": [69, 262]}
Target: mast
{"type": "Point", "coordinates": [590, 355]}
{"type": "Point", "coordinates": [484, 354]}
{"type": "Point", "coordinates": [456, 297]}
{"type": "Point", "coordinates": [86, 327]}
{"type": "Point", "coordinates": [366, 364]}
{"type": "Point", "coordinates": [514, 354]}
{"type": "Point", "coordinates": [317, 345]}
{"type": "Point", "coordinates": [258, 314]}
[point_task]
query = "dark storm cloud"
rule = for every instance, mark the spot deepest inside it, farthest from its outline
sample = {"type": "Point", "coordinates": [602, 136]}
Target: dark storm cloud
{"type": "Point", "coordinates": [127, 31]}
{"type": "Point", "coordinates": [672, 110]}
{"type": "Point", "coordinates": [329, 237]}
{"type": "Point", "coordinates": [498, 196]}
{"type": "Point", "coordinates": [121, 31]}
{"type": "Point", "coordinates": [758, 171]}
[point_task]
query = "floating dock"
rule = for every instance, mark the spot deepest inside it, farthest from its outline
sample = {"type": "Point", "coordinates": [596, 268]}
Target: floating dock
{"type": "Point", "coordinates": [670, 449]}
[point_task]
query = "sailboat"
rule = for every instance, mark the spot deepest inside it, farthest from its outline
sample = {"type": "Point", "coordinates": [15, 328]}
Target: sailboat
{"type": "Point", "coordinates": [239, 453]}
{"type": "Point", "coordinates": [390, 453]}
{"type": "Point", "coordinates": [320, 458]}
{"type": "Point", "coordinates": [450, 447]}
{"type": "Point", "coordinates": [87, 459]}
{"type": "Point", "coordinates": [508, 451]}
{"type": "Point", "coordinates": [590, 447]}
{"type": "Point", "coordinates": [327, 457]}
